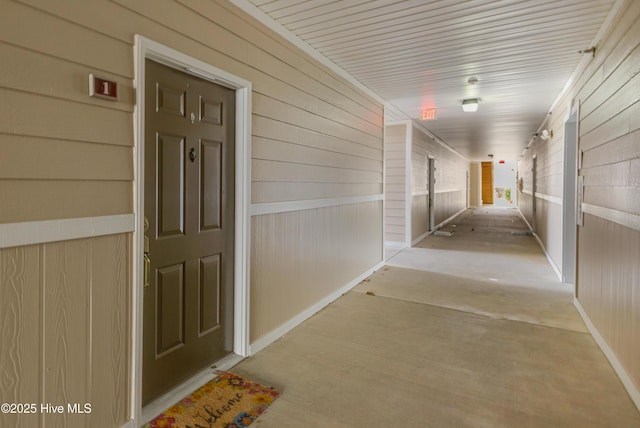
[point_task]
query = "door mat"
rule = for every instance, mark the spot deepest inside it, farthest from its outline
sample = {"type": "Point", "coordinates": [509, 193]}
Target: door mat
{"type": "Point", "coordinates": [227, 401]}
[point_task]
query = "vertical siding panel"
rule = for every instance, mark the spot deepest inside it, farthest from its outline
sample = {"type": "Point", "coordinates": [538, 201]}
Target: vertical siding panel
{"type": "Point", "coordinates": [20, 333]}
{"type": "Point", "coordinates": [67, 328]}
{"type": "Point", "coordinates": [109, 354]}
{"type": "Point", "coordinates": [608, 287]}
{"type": "Point", "coordinates": [299, 258]}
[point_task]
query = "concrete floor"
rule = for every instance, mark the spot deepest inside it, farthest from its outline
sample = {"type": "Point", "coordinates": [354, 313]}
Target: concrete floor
{"type": "Point", "coordinates": [470, 330]}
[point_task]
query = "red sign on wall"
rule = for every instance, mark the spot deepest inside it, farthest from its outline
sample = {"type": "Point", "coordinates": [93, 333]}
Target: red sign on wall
{"type": "Point", "coordinates": [103, 88]}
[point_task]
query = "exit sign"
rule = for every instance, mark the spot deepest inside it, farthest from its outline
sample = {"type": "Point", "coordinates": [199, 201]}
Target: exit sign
{"type": "Point", "coordinates": [103, 88]}
{"type": "Point", "coordinates": [428, 114]}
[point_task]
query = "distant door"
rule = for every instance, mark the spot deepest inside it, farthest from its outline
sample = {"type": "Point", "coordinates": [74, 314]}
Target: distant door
{"type": "Point", "coordinates": [487, 183]}
{"type": "Point", "coordinates": [432, 193]}
{"type": "Point", "coordinates": [189, 206]}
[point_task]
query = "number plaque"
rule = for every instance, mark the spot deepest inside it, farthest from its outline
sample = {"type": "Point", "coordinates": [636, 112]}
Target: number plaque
{"type": "Point", "coordinates": [103, 88]}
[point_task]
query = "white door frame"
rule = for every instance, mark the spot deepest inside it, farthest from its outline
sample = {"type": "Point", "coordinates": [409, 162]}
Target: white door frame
{"type": "Point", "coordinates": [569, 204]}
{"type": "Point", "coordinates": [145, 48]}
{"type": "Point", "coordinates": [534, 190]}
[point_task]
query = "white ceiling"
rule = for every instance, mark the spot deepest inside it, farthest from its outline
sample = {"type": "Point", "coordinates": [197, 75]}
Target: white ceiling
{"type": "Point", "coordinates": [417, 54]}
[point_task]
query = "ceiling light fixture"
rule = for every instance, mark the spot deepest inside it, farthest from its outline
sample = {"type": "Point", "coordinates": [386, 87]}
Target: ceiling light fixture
{"type": "Point", "coordinates": [470, 105]}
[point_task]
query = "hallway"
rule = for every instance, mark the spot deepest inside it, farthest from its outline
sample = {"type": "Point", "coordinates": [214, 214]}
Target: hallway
{"type": "Point", "coordinates": [468, 330]}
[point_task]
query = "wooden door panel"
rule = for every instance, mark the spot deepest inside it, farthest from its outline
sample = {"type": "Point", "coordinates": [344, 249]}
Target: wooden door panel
{"type": "Point", "coordinates": [487, 183]}
{"type": "Point", "coordinates": [170, 187]}
{"type": "Point", "coordinates": [209, 319]}
{"type": "Point", "coordinates": [170, 100]}
{"type": "Point", "coordinates": [210, 111]}
{"type": "Point", "coordinates": [210, 184]}
{"type": "Point", "coordinates": [189, 203]}
{"type": "Point", "coordinates": [169, 309]}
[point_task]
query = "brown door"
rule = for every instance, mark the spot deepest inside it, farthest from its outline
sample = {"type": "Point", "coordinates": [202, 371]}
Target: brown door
{"type": "Point", "coordinates": [487, 183]}
{"type": "Point", "coordinates": [189, 205]}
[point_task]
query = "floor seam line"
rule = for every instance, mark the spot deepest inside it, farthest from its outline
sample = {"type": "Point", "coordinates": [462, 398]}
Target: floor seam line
{"type": "Point", "coordinates": [470, 313]}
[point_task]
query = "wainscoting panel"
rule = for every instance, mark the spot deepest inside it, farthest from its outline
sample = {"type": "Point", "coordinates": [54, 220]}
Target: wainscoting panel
{"type": "Point", "coordinates": [64, 325]}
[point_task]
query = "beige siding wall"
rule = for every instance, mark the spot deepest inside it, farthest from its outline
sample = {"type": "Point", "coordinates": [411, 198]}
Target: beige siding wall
{"type": "Point", "coordinates": [549, 170]}
{"type": "Point", "coordinates": [67, 155]}
{"type": "Point", "coordinates": [64, 314]}
{"type": "Point", "coordinates": [421, 148]}
{"type": "Point", "coordinates": [395, 186]}
{"type": "Point", "coordinates": [609, 143]}
{"type": "Point", "coordinates": [291, 268]}
{"type": "Point", "coordinates": [609, 278]}
{"type": "Point", "coordinates": [475, 184]}
{"type": "Point", "coordinates": [450, 174]}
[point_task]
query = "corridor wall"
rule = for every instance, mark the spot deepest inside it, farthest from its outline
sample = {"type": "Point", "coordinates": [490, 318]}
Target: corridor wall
{"type": "Point", "coordinates": [608, 273]}
{"type": "Point", "coordinates": [408, 147]}
{"type": "Point", "coordinates": [67, 162]}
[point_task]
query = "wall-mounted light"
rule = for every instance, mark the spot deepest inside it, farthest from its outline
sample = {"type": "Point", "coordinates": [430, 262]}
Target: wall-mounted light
{"type": "Point", "coordinates": [470, 105]}
{"type": "Point", "coordinates": [545, 134]}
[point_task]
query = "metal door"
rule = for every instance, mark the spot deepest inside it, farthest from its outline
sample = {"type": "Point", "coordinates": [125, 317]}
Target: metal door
{"type": "Point", "coordinates": [189, 207]}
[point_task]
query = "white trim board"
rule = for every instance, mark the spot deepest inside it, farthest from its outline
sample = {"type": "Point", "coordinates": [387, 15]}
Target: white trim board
{"type": "Point", "coordinates": [553, 199]}
{"type": "Point", "coordinates": [549, 198]}
{"type": "Point", "coordinates": [622, 218]}
{"type": "Point", "coordinates": [41, 232]}
{"type": "Point", "coordinates": [634, 393]}
{"type": "Point", "coordinates": [276, 334]}
{"type": "Point", "coordinates": [145, 48]}
{"type": "Point", "coordinates": [288, 206]}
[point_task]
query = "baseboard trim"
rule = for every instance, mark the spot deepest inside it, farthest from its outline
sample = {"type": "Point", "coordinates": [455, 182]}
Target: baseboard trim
{"type": "Point", "coordinates": [420, 238]}
{"type": "Point", "coordinates": [129, 424]}
{"type": "Point", "coordinates": [276, 334]}
{"type": "Point", "coordinates": [449, 219]}
{"type": "Point", "coordinates": [633, 391]}
{"type": "Point", "coordinates": [548, 256]}
{"type": "Point", "coordinates": [542, 247]}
